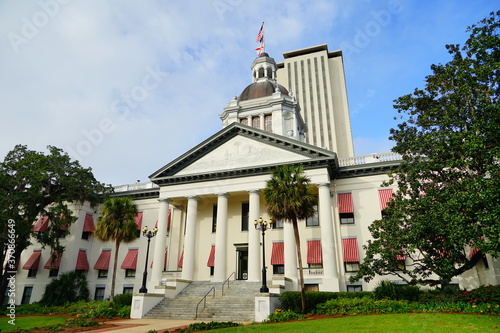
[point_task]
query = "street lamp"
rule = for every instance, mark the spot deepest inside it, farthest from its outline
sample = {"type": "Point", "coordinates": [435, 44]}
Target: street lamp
{"type": "Point", "coordinates": [149, 234]}
{"type": "Point", "coordinates": [262, 225]}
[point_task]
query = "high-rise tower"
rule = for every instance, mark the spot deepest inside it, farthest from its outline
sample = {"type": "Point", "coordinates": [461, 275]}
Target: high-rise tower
{"type": "Point", "coordinates": [316, 78]}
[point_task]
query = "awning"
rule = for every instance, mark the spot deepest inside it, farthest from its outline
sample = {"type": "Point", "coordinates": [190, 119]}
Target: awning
{"type": "Point", "coordinates": [82, 264]}
{"type": "Point", "coordinates": [278, 254]}
{"type": "Point", "coordinates": [42, 224]}
{"type": "Point", "coordinates": [181, 259]}
{"type": "Point", "coordinates": [33, 261]}
{"type": "Point", "coordinates": [400, 257]}
{"type": "Point", "coordinates": [385, 196]}
{"type": "Point", "coordinates": [164, 260]}
{"type": "Point", "coordinates": [168, 220]}
{"type": "Point", "coordinates": [211, 257]}
{"type": "Point", "coordinates": [473, 251]}
{"type": "Point", "coordinates": [350, 250]}
{"type": "Point", "coordinates": [345, 203]}
{"type": "Point", "coordinates": [314, 255]}
{"type": "Point", "coordinates": [88, 224]}
{"type": "Point", "coordinates": [53, 265]}
{"type": "Point", "coordinates": [102, 262]}
{"type": "Point", "coordinates": [138, 220]}
{"type": "Point", "coordinates": [130, 261]}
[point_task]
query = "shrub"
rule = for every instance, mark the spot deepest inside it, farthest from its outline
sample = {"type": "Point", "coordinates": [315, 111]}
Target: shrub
{"type": "Point", "coordinates": [489, 294]}
{"type": "Point", "coordinates": [123, 299]}
{"type": "Point", "coordinates": [389, 290]}
{"type": "Point", "coordinates": [353, 306]}
{"type": "Point", "coordinates": [290, 300]}
{"type": "Point", "coordinates": [67, 287]}
{"type": "Point", "coordinates": [280, 315]}
{"type": "Point", "coordinates": [124, 311]}
{"type": "Point", "coordinates": [208, 326]}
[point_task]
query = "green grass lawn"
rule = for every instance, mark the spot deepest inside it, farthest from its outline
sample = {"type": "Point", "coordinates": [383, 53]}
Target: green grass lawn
{"type": "Point", "coordinates": [407, 323]}
{"type": "Point", "coordinates": [30, 322]}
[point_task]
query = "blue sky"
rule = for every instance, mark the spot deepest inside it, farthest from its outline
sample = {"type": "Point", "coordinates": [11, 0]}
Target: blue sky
{"type": "Point", "coordinates": [127, 86]}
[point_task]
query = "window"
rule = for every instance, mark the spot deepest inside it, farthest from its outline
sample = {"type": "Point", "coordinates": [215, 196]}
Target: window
{"type": "Point", "coordinates": [311, 287]}
{"type": "Point", "coordinates": [268, 123]}
{"type": "Point", "coordinates": [384, 196]}
{"type": "Point", "coordinates": [214, 218]}
{"type": "Point", "coordinates": [313, 221]}
{"type": "Point", "coordinates": [130, 272]}
{"type": "Point", "coordinates": [27, 295]}
{"type": "Point", "coordinates": [278, 224]}
{"type": "Point", "coordinates": [32, 273]}
{"type": "Point", "coordinates": [102, 273]}
{"type": "Point", "coordinates": [346, 218]}
{"type": "Point", "coordinates": [278, 269]}
{"type": "Point", "coordinates": [354, 288]}
{"type": "Point", "coordinates": [351, 255]}
{"type": "Point", "coordinates": [485, 262]}
{"type": "Point", "coordinates": [54, 272]}
{"type": "Point", "coordinates": [351, 267]}
{"type": "Point", "coordinates": [99, 293]}
{"type": "Point", "coordinates": [244, 121]}
{"type": "Point", "coordinates": [212, 270]}
{"type": "Point", "coordinates": [128, 290]}
{"type": "Point", "coordinates": [86, 235]}
{"type": "Point", "coordinates": [256, 121]}
{"type": "Point", "coordinates": [245, 208]}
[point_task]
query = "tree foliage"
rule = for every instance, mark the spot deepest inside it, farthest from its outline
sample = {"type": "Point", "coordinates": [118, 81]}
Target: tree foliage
{"type": "Point", "coordinates": [117, 224]}
{"type": "Point", "coordinates": [34, 184]}
{"type": "Point", "coordinates": [448, 198]}
{"type": "Point", "coordinates": [289, 197]}
{"type": "Point", "coordinates": [68, 287]}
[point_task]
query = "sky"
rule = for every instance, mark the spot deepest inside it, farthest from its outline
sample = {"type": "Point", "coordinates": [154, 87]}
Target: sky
{"type": "Point", "coordinates": [127, 86]}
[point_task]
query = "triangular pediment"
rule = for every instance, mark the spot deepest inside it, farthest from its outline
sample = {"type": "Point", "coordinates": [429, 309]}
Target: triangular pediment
{"type": "Point", "coordinates": [240, 150]}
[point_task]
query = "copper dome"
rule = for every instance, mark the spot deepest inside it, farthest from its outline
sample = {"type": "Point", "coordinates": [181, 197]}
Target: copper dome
{"type": "Point", "coordinates": [261, 89]}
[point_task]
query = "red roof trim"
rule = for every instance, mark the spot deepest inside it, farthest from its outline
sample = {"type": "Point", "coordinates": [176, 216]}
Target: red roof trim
{"type": "Point", "coordinates": [278, 254]}
{"type": "Point", "coordinates": [102, 262]}
{"type": "Point", "coordinates": [345, 203]}
{"type": "Point", "coordinates": [314, 254]}
{"type": "Point", "coordinates": [130, 261]}
{"type": "Point", "coordinates": [350, 250]}
{"type": "Point", "coordinates": [33, 261]}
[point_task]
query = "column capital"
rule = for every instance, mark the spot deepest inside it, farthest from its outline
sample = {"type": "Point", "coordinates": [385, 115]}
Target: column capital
{"type": "Point", "coordinates": [223, 194]}
{"type": "Point", "coordinates": [323, 184]}
{"type": "Point", "coordinates": [164, 200]}
{"type": "Point", "coordinates": [193, 197]}
{"type": "Point", "coordinates": [254, 191]}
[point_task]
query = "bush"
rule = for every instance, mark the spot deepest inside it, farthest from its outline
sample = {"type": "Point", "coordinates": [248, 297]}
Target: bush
{"type": "Point", "coordinates": [290, 300]}
{"type": "Point", "coordinates": [124, 311]}
{"type": "Point", "coordinates": [279, 316]}
{"type": "Point", "coordinates": [389, 290]}
{"type": "Point", "coordinates": [66, 288]}
{"type": "Point", "coordinates": [354, 306]}
{"type": "Point", "coordinates": [208, 326]}
{"type": "Point", "coordinates": [123, 299]}
{"type": "Point", "coordinates": [489, 294]}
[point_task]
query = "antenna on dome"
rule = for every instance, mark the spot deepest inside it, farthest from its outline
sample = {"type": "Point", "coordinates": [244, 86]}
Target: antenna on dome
{"type": "Point", "coordinates": [260, 39]}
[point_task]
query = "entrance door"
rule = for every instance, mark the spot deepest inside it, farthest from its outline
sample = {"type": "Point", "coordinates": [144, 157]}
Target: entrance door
{"type": "Point", "coordinates": [242, 257]}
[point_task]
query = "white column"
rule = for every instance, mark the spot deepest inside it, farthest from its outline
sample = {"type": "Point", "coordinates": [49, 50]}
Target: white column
{"type": "Point", "coordinates": [221, 238]}
{"type": "Point", "coordinates": [189, 239]}
{"type": "Point", "coordinates": [290, 254]}
{"type": "Point", "coordinates": [253, 237]}
{"type": "Point", "coordinates": [161, 242]}
{"type": "Point", "coordinates": [330, 272]}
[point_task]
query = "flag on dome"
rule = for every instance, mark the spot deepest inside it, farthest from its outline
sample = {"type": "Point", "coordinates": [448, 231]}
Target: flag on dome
{"type": "Point", "coordinates": [260, 39]}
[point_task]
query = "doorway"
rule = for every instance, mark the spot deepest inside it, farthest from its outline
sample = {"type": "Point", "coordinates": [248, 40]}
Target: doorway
{"type": "Point", "coordinates": [242, 262]}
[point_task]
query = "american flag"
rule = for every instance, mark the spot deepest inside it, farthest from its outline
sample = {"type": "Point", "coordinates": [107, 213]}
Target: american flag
{"type": "Point", "coordinates": [260, 35]}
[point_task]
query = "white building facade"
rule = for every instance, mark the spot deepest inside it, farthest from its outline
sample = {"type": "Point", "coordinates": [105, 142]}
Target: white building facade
{"type": "Point", "coordinates": [205, 201]}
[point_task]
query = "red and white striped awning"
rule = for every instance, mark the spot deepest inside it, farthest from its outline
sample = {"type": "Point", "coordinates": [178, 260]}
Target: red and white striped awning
{"type": "Point", "coordinates": [88, 223]}
{"type": "Point", "coordinates": [385, 196]}
{"type": "Point", "coordinates": [138, 220]}
{"type": "Point", "coordinates": [130, 261]}
{"type": "Point", "coordinates": [314, 254]}
{"type": "Point", "coordinates": [350, 250]}
{"type": "Point", "coordinates": [42, 224]}
{"type": "Point", "coordinates": [102, 262]}
{"type": "Point", "coordinates": [345, 203]}
{"type": "Point", "coordinates": [33, 261]}
{"type": "Point", "coordinates": [181, 260]}
{"type": "Point", "coordinates": [211, 257]}
{"type": "Point", "coordinates": [82, 263]}
{"type": "Point", "coordinates": [278, 254]}
{"type": "Point", "coordinates": [53, 265]}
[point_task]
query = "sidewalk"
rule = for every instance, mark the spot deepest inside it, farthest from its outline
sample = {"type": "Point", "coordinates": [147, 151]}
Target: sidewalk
{"type": "Point", "coordinates": [143, 325]}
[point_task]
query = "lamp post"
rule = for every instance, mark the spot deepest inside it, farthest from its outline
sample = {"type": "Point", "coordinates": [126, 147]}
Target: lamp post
{"type": "Point", "coordinates": [149, 234]}
{"type": "Point", "coordinates": [262, 225]}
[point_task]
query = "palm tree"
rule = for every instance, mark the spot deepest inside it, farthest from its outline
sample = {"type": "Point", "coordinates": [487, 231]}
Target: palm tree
{"type": "Point", "coordinates": [289, 198]}
{"type": "Point", "coordinates": [117, 224]}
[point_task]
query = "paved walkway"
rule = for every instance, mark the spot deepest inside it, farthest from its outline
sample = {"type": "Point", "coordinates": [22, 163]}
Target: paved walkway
{"type": "Point", "coordinates": [144, 325]}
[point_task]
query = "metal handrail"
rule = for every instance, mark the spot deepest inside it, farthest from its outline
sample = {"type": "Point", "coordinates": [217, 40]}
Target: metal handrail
{"type": "Point", "coordinates": [227, 280]}
{"type": "Point", "coordinates": [204, 299]}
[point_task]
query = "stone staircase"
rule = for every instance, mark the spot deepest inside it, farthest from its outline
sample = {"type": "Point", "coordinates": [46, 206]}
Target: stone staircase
{"type": "Point", "coordinates": [237, 304]}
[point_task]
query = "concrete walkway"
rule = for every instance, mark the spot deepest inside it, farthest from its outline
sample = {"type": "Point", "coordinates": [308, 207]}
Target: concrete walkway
{"type": "Point", "coordinates": [143, 325]}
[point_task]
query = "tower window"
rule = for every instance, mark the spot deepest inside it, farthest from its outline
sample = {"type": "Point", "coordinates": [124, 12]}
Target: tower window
{"type": "Point", "coordinates": [256, 122]}
{"type": "Point", "coordinates": [268, 123]}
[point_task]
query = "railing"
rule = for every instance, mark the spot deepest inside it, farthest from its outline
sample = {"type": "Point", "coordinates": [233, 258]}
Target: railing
{"type": "Point", "coordinates": [136, 186]}
{"type": "Point", "coordinates": [227, 280]}
{"type": "Point", "coordinates": [372, 158]}
{"type": "Point", "coordinates": [205, 301]}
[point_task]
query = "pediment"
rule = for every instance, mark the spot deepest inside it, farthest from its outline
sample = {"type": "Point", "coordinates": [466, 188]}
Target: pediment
{"type": "Point", "coordinates": [240, 150]}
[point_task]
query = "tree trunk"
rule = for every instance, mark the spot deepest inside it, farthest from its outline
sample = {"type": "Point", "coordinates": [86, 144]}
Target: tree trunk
{"type": "Point", "coordinates": [299, 261]}
{"type": "Point", "coordinates": [113, 278]}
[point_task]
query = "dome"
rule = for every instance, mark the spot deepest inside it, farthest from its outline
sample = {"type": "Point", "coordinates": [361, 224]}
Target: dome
{"type": "Point", "coordinates": [261, 89]}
